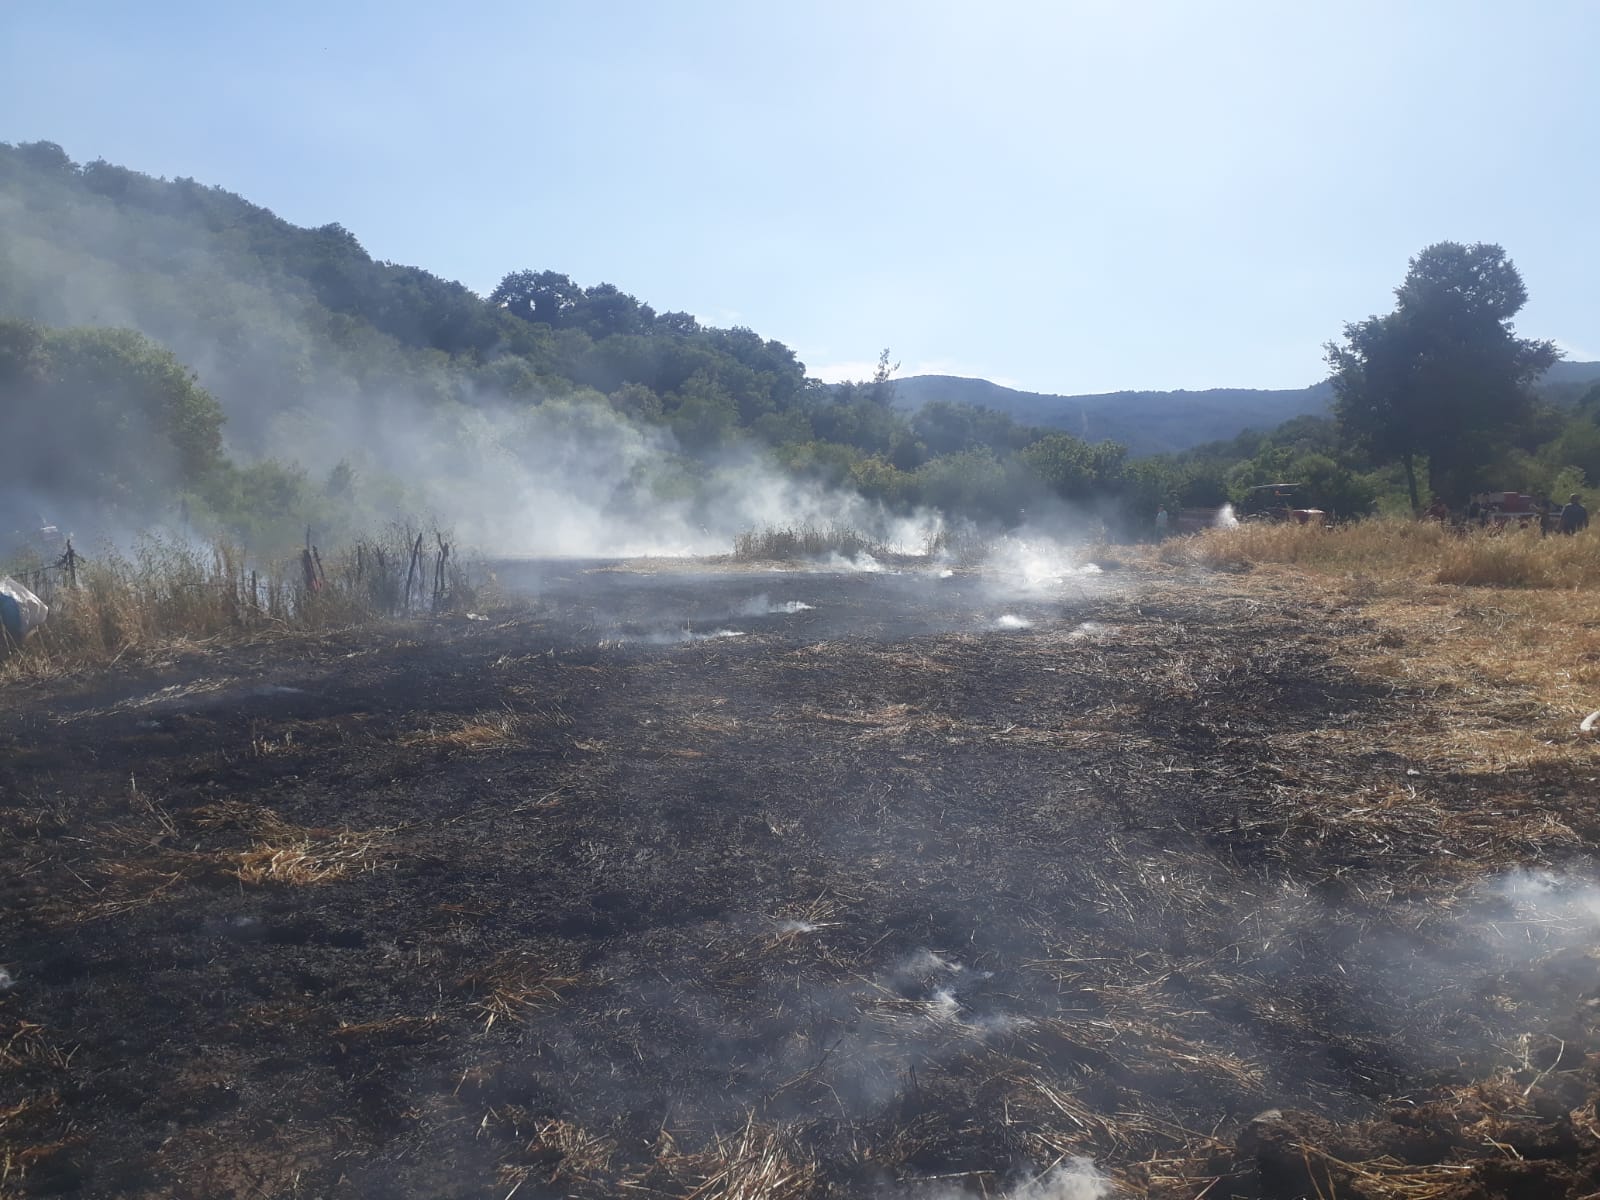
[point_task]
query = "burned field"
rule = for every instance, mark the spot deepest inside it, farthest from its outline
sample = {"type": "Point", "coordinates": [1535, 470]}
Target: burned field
{"type": "Point", "coordinates": [791, 884]}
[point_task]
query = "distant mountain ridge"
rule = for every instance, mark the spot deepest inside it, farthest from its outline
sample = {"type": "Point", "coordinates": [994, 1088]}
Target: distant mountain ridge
{"type": "Point", "coordinates": [1154, 422]}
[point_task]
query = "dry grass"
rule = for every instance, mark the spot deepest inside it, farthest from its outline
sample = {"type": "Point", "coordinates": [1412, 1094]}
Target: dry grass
{"type": "Point", "coordinates": [757, 1163]}
{"type": "Point", "coordinates": [481, 731]}
{"type": "Point", "coordinates": [289, 855]}
{"type": "Point", "coordinates": [1503, 627]}
{"type": "Point", "coordinates": [29, 1109]}
{"type": "Point", "coordinates": [561, 1153]}
{"type": "Point", "coordinates": [117, 605]}
{"type": "Point", "coordinates": [515, 985]}
{"type": "Point", "coordinates": [805, 542]}
{"type": "Point", "coordinates": [1510, 558]}
{"type": "Point", "coordinates": [307, 861]}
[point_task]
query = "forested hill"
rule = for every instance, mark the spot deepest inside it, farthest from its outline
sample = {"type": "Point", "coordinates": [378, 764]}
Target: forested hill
{"type": "Point", "coordinates": [168, 347]}
{"type": "Point", "coordinates": [280, 321]}
{"type": "Point", "coordinates": [1144, 422]}
{"type": "Point", "coordinates": [280, 374]}
{"type": "Point", "coordinates": [1164, 422]}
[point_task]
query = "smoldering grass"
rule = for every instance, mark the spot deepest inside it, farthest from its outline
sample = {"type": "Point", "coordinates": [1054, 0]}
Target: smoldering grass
{"type": "Point", "coordinates": [669, 637]}
{"type": "Point", "coordinates": [763, 606]}
{"type": "Point", "coordinates": [962, 544]}
{"type": "Point", "coordinates": [1076, 1179]}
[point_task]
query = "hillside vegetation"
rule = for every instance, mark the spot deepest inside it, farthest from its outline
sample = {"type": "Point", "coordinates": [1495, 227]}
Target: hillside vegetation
{"type": "Point", "coordinates": [348, 383]}
{"type": "Point", "coordinates": [1157, 422]}
{"type": "Point", "coordinates": [178, 354]}
{"type": "Point", "coordinates": [1147, 422]}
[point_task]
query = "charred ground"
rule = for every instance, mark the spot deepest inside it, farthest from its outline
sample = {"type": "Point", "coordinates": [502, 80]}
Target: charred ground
{"type": "Point", "coordinates": [929, 886]}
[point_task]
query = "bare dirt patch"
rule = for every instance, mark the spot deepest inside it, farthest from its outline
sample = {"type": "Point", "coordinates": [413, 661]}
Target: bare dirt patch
{"type": "Point", "coordinates": [873, 896]}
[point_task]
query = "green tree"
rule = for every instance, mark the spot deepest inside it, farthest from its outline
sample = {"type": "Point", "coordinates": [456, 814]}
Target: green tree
{"type": "Point", "coordinates": [883, 388]}
{"type": "Point", "coordinates": [543, 296]}
{"type": "Point", "coordinates": [102, 418]}
{"type": "Point", "coordinates": [1443, 377]}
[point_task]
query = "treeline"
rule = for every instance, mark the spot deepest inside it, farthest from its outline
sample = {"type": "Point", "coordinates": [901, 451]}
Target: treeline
{"type": "Point", "coordinates": [285, 327]}
{"type": "Point", "coordinates": [1437, 399]}
{"type": "Point", "coordinates": [176, 346]}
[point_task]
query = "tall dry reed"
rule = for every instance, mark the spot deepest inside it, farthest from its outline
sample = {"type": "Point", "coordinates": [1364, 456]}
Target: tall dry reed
{"type": "Point", "coordinates": [113, 604]}
{"type": "Point", "coordinates": [804, 542]}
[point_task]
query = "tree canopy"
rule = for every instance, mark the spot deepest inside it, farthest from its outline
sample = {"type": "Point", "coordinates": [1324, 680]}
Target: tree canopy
{"type": "Point", "coordinates": [104, 417]}
{"type": "Point", "coordinates": [1443, 377]}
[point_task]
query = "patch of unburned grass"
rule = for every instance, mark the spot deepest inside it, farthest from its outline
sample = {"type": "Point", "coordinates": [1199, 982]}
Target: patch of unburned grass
{"type": "Point", "coordinates": [115, 605]}
{"type": "Point", "coordinates": [482, 731]}
{"type": "Point", "coordinates": [789, 543]}
{"type": "Point", "coordinates": [760, 1162]}
{"type": "Point", "coordinates": [1503, 627]}
{"type": "Point", "coordinates": [290, 855]}
{"type": "Point", "coordinates": [307, 861]}
{"type": "Point", "coordinates": [1509, 558]}
{"type": "Point", "coordinates": [1512, 671]}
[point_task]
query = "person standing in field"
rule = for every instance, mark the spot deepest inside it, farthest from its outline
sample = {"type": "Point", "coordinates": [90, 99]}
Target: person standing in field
{"type": "Point", "coordinates": [1547, 512]}
{"type": "Point", "coordinates": [1161, 523]}
{"type": "Point", "coordinates": [1574, 516]}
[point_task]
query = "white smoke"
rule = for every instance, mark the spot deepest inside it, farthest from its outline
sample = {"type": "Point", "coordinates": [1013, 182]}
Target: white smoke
{"type": "Point", "coordinates": [1075, 1179]}
{"type": "Point", "coordinates": [1035, 564]}
{"type": "Point", "coordinates": [925, 962]}
{"type": "Point", "coordinates": [1012, 621]}
{"type": "Point", "coordinates": [861, 563]}
{"type": "Point", "coordinates": [573, 477]}
{"type": "Point", "coordinates": [672, 637]}
{"type": "Point", "coordinates": [1089, 631]}
{"type": "Point", "coordinates": [1559, 907]}
{"type": "Point", "coordinates": [761, 606]}
{"type": "Point", "coordinates": [1225, 518]}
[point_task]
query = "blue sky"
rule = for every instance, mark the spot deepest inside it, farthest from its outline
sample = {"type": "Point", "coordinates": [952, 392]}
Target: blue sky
{"type": "Point", "coordinates": [1077, 196]}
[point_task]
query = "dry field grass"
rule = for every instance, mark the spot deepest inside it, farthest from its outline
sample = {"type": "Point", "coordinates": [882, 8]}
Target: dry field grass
{"type": "Point", "coordinates": [165, 596]}
{"type": "Point", "coordinates": [1504, 628]}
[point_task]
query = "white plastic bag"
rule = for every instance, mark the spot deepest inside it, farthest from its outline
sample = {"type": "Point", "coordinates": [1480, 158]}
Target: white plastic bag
{"type": "Point", "coordinates": [21, 612]}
